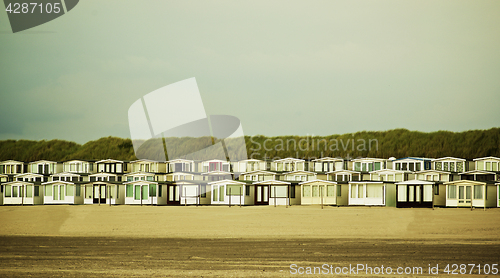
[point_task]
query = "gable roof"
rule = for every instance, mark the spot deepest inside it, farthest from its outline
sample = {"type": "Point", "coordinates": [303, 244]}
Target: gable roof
{"type": "Point", "coordinates": [44, 161]}
{"type": "Point", "coordinates": [327, 158]}
{"type": "Point", "coordinates": [448, 158]}
{"type": "Point", "coordinates": [318, 181]}
{"type": "Point", "coordinates": [415, 182]}
{"type": "Point", "coordinates": [414, 158]}
{"type": "Point", "coordinates": [481, 172]}
{"type": "Point", "coordinates": [487, 157]}
{"type": "Point", "coordinates": [300, 172]}
{"type": "Point", "coordinates": [258, 172]}
{"type": "Point", "coordinates": [289, 159]}
{"type": "Point", "coordinates": [109, 160]}
{"type": "Point", "coordinates": [272, 182]}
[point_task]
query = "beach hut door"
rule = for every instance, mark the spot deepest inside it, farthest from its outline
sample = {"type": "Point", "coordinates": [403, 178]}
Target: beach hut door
{"type": "Point", "coordinates": [99, 193]}
{"type": "Point", "coordinates": [262, 194]}
{"type": "Point", "coordinates": [173, 195]}
{"type": "Point", "coordinates": [464, 194]}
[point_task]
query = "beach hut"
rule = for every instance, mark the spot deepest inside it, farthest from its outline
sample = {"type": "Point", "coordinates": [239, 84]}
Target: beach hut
{"type": "Point", "coordinates": [249, 165]}
{"type": "Point", "coordinates": [112, 166]}
{"type": "Point", "coordinates": [183, 176]}
{"type": "Point", "coordinates": [183, 165]}
{"type": "Point", "coordinates": [298, 176]}
{"type": "Point", "coordinates": [369, 193]}
{"type": "Point", "coordinates": [412, 164]}
{"type": "Point", "coordinates": [450, 164]}
{"type": "Point", "coordinates": [414, 194]}
{"type": "Point", "coordinates": [259, 175]}
{"type": "Point", "coordinates": [104, 192]}
{"type": "Point", "coordinates": [79, 166]}
{"type": "Point", "coordinates": [437, 175]}
{"type": "Point", "coordinates": [136, 176]}
{"type": "Point", "coordinates": [343, 175]}
{"type": "Point", "coordinates": [62, 192]}
{"type": "Point", "coordinates": [22, 193]}
{"type": "Point", "coordinates": [367, 164]}
{"type": "Point", "coordinates": [69, 176]}
{"type": "Point", "coordinates": [469, 193]}
{"type": "Point", "coordinates": [215, 165]}
{"type": "Point", "coordinates": [276, 192]}
{"type": "Point", "coordinates": [327, 164]}
{"type": "Point", "coordinates": [12, 167]}
{"type": "Point", "coordinates": [30, 177]}
{"type": "Point", "coordinates": [144, 193]}
{"type": "Point", "coordinates": [231, 192]}
{"type": "Point", "coordinates": [193, 192]}
{"type": "Point", "coordinates": [44, 167]}
{"type": "Point", "coordinates": [216, 176]}
{"type": "Point", "coordinates": [148, 166]}
{"type": "Point", "coordinates": [289, 164]}
{"type": "Point", "coordinates": [389, 175]}
{"type": "Point", "coordinates": [318, 192]}
{"type": "Point", "coordinates": [110, 177]}
{"type": "Point", "coordinates": [480, 175]}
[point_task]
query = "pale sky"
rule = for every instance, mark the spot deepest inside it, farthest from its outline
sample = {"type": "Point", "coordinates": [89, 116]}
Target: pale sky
{"type": "Point", "coordinates": [281, 67]}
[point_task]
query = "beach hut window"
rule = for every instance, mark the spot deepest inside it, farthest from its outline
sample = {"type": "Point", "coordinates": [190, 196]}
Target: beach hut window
{"type": "Point", "coordinates": [292, 191]}
{"type": "Point", "coordinates": [14, 191]}
{"type": "Point", "coordinates": [374, 191]}
{"type": "Point", "coordinates": [234, 190]}
{"type": "Point", "coordinates": [145, 192]}
{"type": "Point", "coordinates": [137, 193]}
{"type": "Point", "coordinates": [330, 190]}
{"type": "Point", "coordinates": [478, 192]}
{"type": "Point", "coordinates": [452, 191]}
{"type": "Point", "coordinates": [149, 178]}
{"type": "Point", "coordinates": [152, 190]}
{"type": "Point", "coordinates": [279, 191]}
{"type": "Point", "coordinates": [61, 192]}
{"type": "Point", "coordinates": [427, 193]}
{"type": "Point", "coordinates": [214, 195]}
{"type": "Point", "coordinates": [29, 191]}
{"type": "Point", "coordinates": [69, 190]}
{"type": "Point", "coordinates": [315, 191]}
{"type": "Point", "coordinates": [357, 166]}
{"type": "Point", "coordinates": [339, 190]}
{"type": "Point", "coordinates": [78, 191]}
{"type": "Point", "coordinates": [221, 193]}
{"type": "Point", "coordinates": [360, 191]}
{"type": "Point", "coordinates": [48, 190]}
{"type": "Point", "coordinates": [306, 191]}
{"type": "Point", "coordinates": [247, 190]}
{"type": "Point", "coordinates": [401, 193]}
{"type": "Point", "coordinates": [488, 166]}
{"type": "Point", "coordinates": [8, 190]}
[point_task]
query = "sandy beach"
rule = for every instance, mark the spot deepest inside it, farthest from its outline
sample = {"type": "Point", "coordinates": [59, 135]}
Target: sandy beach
{"type": "Point", "coordinates": [211, 241]}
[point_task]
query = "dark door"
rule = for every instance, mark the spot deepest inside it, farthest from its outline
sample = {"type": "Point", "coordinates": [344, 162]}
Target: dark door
{"type": "Point", "coordinates": [99, 194]}
{"type": "Point", "coordinates": [262, 194]}
{"type": "Point", "coordinates": [414, 198]}
{"type": "Point", "coordinates": [173, 197]}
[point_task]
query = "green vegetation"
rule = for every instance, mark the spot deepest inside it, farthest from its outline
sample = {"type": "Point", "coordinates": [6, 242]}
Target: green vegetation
{"type": "Point", "coordinates": [398, 143]}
